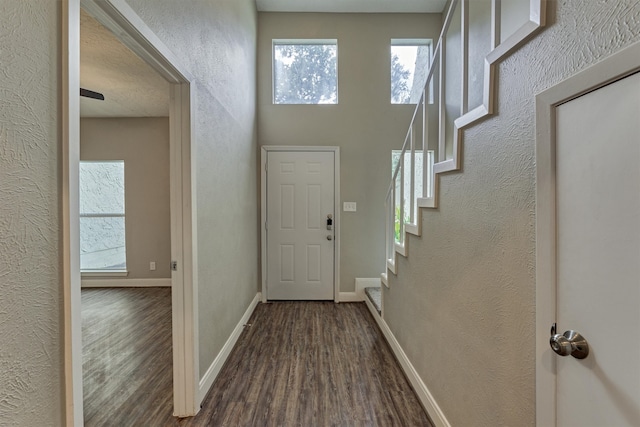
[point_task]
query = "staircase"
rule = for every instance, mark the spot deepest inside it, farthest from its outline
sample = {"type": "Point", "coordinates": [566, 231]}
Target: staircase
{"type": "Point", "coordinates": [460, 91]}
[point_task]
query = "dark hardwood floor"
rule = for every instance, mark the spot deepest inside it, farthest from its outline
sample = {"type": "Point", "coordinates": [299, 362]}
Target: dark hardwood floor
{"type": "Point", "coordinates": [311, 364]}
{"type": "Point", "coordinates": [127, 357]}
{"type": "Point", "coordinates": [295, 364]}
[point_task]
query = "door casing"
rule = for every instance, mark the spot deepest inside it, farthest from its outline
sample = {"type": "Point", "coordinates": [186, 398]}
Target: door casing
{"type": "Point", "coordinates": [118, 16]}
{"type": "Point", "coordinates": [613, 68]}
{"type": "Point", "coordinates": [265, 149]}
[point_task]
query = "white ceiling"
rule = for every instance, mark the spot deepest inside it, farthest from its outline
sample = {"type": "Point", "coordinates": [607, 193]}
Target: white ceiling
{"type": "Point", "coordinates": [355, 6]}
{"type": "Point", "coordinates": [130, 87]}
{"type": "Point", "coordinates": [133, 89]}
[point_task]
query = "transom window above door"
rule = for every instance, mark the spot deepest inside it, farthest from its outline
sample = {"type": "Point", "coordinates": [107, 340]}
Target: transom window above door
{"type": "Point", "coordinates": [305, 71]}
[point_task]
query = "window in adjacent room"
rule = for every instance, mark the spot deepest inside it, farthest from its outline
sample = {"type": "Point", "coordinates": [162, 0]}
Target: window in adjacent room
{"type": "Point", "coordinates": [305, 71]}
{"type": "Point", "coordinates": [410, 62]}
{"type": "Point", "coordinates": [102, 217]}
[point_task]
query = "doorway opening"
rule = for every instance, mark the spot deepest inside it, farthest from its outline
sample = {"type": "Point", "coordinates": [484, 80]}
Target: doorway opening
{"type": "Point", "coordinates": [121, 20]}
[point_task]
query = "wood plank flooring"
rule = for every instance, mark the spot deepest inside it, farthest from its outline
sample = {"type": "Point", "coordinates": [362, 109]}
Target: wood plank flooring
{"type": "Point", "coordinates": [297, 364]}
{"type": "Point", "coordinates": [127, 357]}
{"type": "Point", "coordinates": [311, 364]}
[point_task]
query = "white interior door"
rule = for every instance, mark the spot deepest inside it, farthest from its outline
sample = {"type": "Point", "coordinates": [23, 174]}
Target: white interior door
{"type": "Point", "coordinates": [598, 255]}
{"type": "Point", "coordinates": [300, 247]}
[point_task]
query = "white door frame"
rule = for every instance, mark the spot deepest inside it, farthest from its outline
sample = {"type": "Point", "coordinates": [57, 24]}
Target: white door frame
{"type": "Point", "coordinates": [613, 68]}
{"type": "Point", "coordinates": [117, 16]}
{"type": "Point", "coordinates": [265, 149]}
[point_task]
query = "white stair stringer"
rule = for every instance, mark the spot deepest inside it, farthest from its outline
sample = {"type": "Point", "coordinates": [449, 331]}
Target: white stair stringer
{"type": "Point", "coordinates": [500, 50]}
{"type": "Point", "coordinates": [413, 229]}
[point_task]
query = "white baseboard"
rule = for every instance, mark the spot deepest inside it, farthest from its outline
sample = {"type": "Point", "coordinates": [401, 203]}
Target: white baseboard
{"type": "Point", "coordinates": [125, 283]}
{"type": "Point", "coordinates": [349, 297]}
{"type": "Point", "coordinates": [362, 283]}
{"type": "Point", "coordinates": [358, 295]}
{"type": "Point", "coordinates": [423, 393]}
{"type": "Point", "coordinates": [212, 373]}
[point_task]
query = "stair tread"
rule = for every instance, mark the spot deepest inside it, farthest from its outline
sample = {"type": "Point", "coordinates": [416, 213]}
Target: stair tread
{"type": "Point", "coordinates": [375, 296]}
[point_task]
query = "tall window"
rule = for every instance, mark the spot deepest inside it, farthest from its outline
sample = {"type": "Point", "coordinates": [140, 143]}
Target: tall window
{"type": "Point", "coordinates": [305, 71]}
{"type": "Point", "coordinates": [102, 219]}
{"type": "Point", "coordinates": [423, 184]}
{"type": "Point", "coordinates": [410, 61]}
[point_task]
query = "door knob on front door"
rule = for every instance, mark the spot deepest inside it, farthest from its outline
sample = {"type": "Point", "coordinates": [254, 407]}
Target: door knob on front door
{"type": "Point", "coordinates": [569, 343]}
{"type": "Point", "coordinates": [329, 237]}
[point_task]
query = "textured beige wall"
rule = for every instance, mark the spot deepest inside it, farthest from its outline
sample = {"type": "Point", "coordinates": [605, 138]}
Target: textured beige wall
{"type": "Point", "coordinates": [463, 304]}
{"type": "Point", "coordinates": [364, 124]}
{"type": "Point", "coordinates": [466, 292]}
{"type": "Point", "coordinates": [479, 47]}
{"type": "Point", "coordinates": [216, 40]}
{"type": "Point", "coordinates": [31, 356]}
{"type": "Point", "coordinates": [143, 144]}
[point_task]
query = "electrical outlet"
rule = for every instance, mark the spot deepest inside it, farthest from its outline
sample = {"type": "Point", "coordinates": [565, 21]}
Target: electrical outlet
{"type": "Point", "coordinates": [349, 206]}
{"type": "Point", "coordinates": [152, 266]}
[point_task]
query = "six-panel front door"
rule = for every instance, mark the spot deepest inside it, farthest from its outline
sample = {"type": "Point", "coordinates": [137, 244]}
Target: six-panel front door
{"type": "Point", "coordinates": [300, 240]}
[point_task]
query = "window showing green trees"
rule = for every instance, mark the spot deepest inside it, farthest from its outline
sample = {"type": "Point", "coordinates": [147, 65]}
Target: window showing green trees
{"type": "Point", "coordinates": [410, 60]}
{"type": "Point", "coordinates": [305, 72]}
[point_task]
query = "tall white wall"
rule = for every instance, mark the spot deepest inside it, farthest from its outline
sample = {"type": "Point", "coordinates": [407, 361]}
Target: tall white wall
{"type": "Point", "coordinates": [463, 303]}
{"type": "Point", "coordinates": [364, 123]}
{"type": "Point", "coordinates": [31, 357]}
{"type": "Point", "coordinates": [216, 40]}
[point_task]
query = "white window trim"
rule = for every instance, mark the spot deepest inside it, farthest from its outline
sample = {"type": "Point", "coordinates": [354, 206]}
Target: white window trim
{"type": "Point", "coordinates": [417, 42]}
{"type": "Point", "coordinates": [104, 273]}
{"type": "Point", "coordinates": [305, 41]}
{"type": "Point", "coordinates": [91, 272]}
{"type": "Point", "coordinates": [413, 42]}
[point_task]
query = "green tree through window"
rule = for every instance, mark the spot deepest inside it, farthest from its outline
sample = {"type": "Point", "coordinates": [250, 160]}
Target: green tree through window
{"type": "Point", "coordinates": [410, 59]}
{"type": "Point", "coordinates": [305, 73]}
{"type": "Point", "coordinates": [400, 90]}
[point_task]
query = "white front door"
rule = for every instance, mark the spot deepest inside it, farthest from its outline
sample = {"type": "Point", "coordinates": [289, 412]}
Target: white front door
{"type": "Point", "coordinates": [299, 204]}
{"type": "Point", "coordinates": [598, 255]}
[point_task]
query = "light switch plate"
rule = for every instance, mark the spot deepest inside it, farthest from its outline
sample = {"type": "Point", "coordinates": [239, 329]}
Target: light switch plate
{"type": "Point", "coordinates": [349, 206]}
